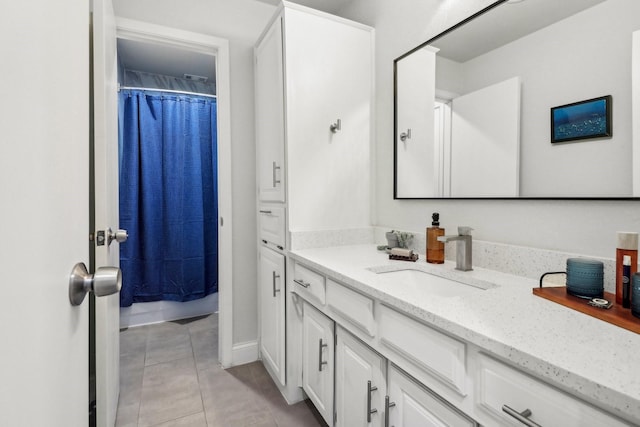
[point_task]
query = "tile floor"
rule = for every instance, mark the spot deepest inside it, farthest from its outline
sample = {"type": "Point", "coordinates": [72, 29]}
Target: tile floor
{"type": "Point", "coordinates": [170, 377]}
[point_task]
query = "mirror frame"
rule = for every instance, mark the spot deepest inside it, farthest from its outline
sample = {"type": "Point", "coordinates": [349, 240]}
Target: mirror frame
{"type": "Point", "coordinates": [395, 126]}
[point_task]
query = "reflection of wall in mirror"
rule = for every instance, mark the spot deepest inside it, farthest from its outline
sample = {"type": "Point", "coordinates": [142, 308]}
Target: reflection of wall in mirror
{"type": "Point", "coordinates": [584, 56]}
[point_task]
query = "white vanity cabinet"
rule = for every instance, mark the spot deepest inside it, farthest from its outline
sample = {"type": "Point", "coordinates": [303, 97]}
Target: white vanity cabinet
{"type": "Point", "coordinates": [513, 398]}
{"type": "Point", "coordinates": [318, 360]}
{"type": "Point", "coordinates": [361, 383]}
{"type": "Point", "coordinates": [271, 286]}
{"type": "Point", "coordinates": [410, 404]}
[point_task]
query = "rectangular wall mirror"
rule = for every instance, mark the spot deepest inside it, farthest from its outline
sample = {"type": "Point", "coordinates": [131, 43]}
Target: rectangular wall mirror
{"type": "Point", "coordinates": [472, 105]}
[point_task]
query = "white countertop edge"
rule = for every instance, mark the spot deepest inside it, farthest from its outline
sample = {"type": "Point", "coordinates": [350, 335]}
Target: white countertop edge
{"type": "Point", "coordinates": [610, 389]}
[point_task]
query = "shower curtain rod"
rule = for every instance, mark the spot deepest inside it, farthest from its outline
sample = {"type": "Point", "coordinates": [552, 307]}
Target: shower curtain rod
{"type": "Point", "coordinates": [166, 90]}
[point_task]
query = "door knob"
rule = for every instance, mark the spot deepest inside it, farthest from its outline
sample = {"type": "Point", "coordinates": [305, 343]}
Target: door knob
{"type": "Point", "coordinates": [119, 236]}
{"type": "Point", "coordinates": [105, 281]}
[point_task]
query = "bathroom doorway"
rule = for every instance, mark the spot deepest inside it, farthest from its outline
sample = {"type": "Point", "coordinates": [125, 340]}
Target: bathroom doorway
{"type": "Point", "coordinates": [154, 37]}
{"type": "Point", "coordinates": [184, 62]}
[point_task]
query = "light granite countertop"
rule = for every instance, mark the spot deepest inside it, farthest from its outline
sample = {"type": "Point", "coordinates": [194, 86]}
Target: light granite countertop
{"type": "Point", "coordinates": [584, 356]}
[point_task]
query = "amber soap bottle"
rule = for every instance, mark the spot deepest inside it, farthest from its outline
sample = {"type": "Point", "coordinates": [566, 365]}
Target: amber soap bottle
{"type": "Point", "coordinates": [627, 246]}
{"type": "Point", "coordinates": [435, 249]}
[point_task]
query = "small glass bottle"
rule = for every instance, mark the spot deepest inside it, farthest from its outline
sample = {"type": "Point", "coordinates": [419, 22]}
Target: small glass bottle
{"type": "Point", "coordinates": [627, 246]}
{"type": "Point", "coordinates": [435, 248]}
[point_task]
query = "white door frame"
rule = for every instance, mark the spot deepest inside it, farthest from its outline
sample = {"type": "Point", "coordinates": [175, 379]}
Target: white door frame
{"type": "Point", "coordinates": [142, 31]}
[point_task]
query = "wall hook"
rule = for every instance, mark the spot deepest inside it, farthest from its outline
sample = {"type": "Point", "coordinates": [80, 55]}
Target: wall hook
{"type": "Point", "coordinates": [405, 135]}
{"type": "Point", "coordinates": [335, 127]}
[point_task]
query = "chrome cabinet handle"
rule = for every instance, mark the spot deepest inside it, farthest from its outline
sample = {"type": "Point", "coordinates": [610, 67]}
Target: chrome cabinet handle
{"type": "Point", "coordinates": [523, 416]}
{"type": "Point", "coordinates": [301, 283]}
{"type": "Point", "coordinates": [266, 212]}
{"type": "Point", "coordinates": [275, 180]}
{"type": "Point", "coordinates": [369, 410]}
{"type": "Point", "coordinates": [320, 362]}
{"type": "Point", "coordinates": [275, 276]}
{"type": "Point", "coordinates": [387, 405]}
{"type": "Point", "coordinates": [405, 135]}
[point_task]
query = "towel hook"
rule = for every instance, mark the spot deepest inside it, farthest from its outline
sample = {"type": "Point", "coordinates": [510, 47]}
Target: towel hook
{"type": "Point", "coordinates": [405, 135]}
{"type": "Point", "coordinates": [335, 127]}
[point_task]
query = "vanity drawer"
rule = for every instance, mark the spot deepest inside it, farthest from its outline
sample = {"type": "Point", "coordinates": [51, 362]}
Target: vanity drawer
{"type": "Point", "coordinates": [501, 386]}
{"type": "Point", "coordinates": [352, 306]}
{"type": "Point", "coordinates": [426, 349]}
{"type": "Point", "coordinates": [272, 225]}
{"type": "Point", "coordinates": [309, 284]}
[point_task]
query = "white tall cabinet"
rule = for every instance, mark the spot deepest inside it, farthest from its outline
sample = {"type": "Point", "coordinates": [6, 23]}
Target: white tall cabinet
{"type": "Point", "coordinates": [272, 315]}
{"type": "Point", "coordinates": [313, 100]}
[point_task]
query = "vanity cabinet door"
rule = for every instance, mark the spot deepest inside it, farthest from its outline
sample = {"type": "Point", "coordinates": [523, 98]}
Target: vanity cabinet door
{"type": "Point", "coordinates": [360, 383]}
{"type": "Point", "coordinates": [272, 311]}
{"type": "Point", "coordinates": [410, 404]}
{"type": "Point", "coordinates": [269, 87]}
{"type": "Point", "coordinates": [318, 360]}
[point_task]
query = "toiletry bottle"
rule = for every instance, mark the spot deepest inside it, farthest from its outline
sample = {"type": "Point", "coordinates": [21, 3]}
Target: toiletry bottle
{"type": "Point", "coordinates": [626, 281]}
{"type": "Point", "coordinates": [627, 245]}
{"type": "Point", "coordinates": [435, 249]}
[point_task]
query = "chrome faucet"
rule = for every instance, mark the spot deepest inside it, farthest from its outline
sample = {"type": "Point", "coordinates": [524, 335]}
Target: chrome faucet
{"type": "Point", "coordinates": [463, 247]}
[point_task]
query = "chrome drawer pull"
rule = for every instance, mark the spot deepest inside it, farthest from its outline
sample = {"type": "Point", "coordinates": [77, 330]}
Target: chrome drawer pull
{"type": "Point", "coordinates": [275, 276]}
{"type": "Point", "coordinates": [301, 283]}
{"type": "Point", "coordinates": [387, 405]}
{"type": "Point", "coordinates": [369, 410]}
{"type": "Point", "coordinates": [275, 181]}
{"type": "Point", "coordinates": [320, 362]}
{"type": "Point", "coordinates": [523, 416]}
{"type": "Point", "coordinates": [266, 212]}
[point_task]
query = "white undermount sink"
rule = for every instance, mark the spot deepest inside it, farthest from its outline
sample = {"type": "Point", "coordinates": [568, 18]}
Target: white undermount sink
{"type": "Point", "coordinates": [435, 285]}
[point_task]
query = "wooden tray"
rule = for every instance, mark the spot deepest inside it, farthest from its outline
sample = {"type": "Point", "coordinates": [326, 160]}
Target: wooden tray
{"type": "Point", "coordinates": [616, 315]}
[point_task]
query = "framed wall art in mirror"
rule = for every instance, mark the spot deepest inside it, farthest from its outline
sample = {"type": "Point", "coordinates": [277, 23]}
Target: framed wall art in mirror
{"type": "Point", "coordinates": [581, 120]}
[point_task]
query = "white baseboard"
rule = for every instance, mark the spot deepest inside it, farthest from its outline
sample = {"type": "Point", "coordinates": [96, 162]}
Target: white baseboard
{"type": "Point", "coordinates": [244, 353]}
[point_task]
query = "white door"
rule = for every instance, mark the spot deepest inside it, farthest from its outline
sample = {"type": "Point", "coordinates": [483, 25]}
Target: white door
{"type": "Point", "coordinates": [44, 188]}
{"type": "Point", "coordinates": [360, 383]}
{"type": "Point", "coordinates": [272, 321]}
{"type": "Point", "coordinates": [485, 141]}
{"type": "Point", "coordinates": [412, 405]}
{"type": "Point", "coordinates": [318, 360]}
{"type": "Point", "coordinates": [107, 309]}
{"type": "Point", "coordinates": [269, 83]}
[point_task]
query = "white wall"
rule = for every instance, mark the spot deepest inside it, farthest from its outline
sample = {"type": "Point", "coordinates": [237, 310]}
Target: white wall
{"type": "Point", "coordinates": [586, 227]}
{"type": "Point", "coordinates": [566, 62]}
{"type": "Point", "coordinates": [241, 22]}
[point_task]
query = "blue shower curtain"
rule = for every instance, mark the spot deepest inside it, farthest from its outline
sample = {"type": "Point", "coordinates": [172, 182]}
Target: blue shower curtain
{"type": "Point", "coordinates": [168, 196]}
